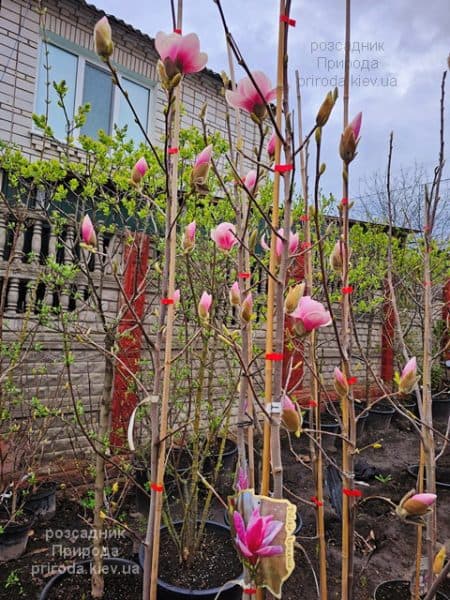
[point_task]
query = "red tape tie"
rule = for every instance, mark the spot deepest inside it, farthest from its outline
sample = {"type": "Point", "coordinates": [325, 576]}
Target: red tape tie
{"type": "Point", "coordinates": [344, 201]}
{"type": "Point", "coordinates": [316, 501]}
{"type": "Point", "coordinates": [304, 218]}
{"type": "Point", "coordinates": [427, 283]}
{"type": "Point", "coordinates": [347, 290]}
{"type": "Point", "coordinates": [177, 31]}
{"type": "Point", "coordinates": [311, 404]}
{"type": "Point", "coordinates": [244, 275]}
{"type": "Point", "coordinates": [274, 356]}
{"type": "Point", "coordinates": [283, 168]}
{"type": "Point", "coordinates": [352, 493]}
{"type": "Point", "coordinates": [352, 380]}
{"type": "Point", "coordinates": [172, 150]}
{"type": "Point", "coordinates": [166, 300]}
{"type": "Point", "coordinates": [286, 19]}
{"type": "Point", "coordinates": [305, 245]}
{"type": "Point", "coordinates": [157, 487]}
{"type": "Point", "coordinates": [249, 591]}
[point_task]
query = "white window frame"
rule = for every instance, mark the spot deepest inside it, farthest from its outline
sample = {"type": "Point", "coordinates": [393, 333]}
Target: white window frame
{"type": "Point", "coordinates": [86, 56]}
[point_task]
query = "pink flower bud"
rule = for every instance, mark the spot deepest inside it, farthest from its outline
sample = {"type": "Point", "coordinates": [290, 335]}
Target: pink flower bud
{"type": "Point", "coordinates": [204, 305]}
{"type": "Point", "coordinates": [408, 378]}
{"type": "Point", "coordinates": [242, 480]}
{"type": "Point", "coordinates": [271, 146]}
{"type": "Point", "coordinates": [188, 239]}
{"type": "Point", "coordinates": [204, 158]}
{"type": "Point", "coordinates": [200, 170]}
{"type": "Point", "coordinates": [250, 180]}
{"type": "Point", "coordinates": [292, 243]}
{"type": "Point", "coordinates": [247, 308]}
{"type": "Point", "coordinates": [340, 383]}
{"type": "Point", "coordinates": [415, 505]}
{"type": "Point", "coordinates": [355, 125]}
{"type": "Point", "coordinates": [88, 236]}
{"type": "Point", "coordinates": [224, 236]}
{"type": "Point", "coordinates": [103, 43]}
{"type": "Point", "coordinates": [350, 139]}
{"type": "Point", "coordinates": [235, 294]}
{"type": "Point", "coordinates": [290, 415]}
{"type": "Point", "coordinates": [139, 170]}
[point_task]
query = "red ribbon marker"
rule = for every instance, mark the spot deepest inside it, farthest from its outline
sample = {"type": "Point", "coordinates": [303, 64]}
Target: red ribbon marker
{"type": "Point", "coordinates": [166, 300]}
{"type": "Point", "coordinates": [316, 502]}
{"type": "Point", "coordinates": [311, 403]}
{"type": "Point", "coordinates": [352, 380]}
{"type": "Point", "coordinates": [427, 283]}
{"type": "Point", "coordinates": [304, 218]}
{"type": "Point", "coordinates": [286, 19]}
{"type": "Point", "coordinates": [283, 168]}
{"type": "Point", "coordinates": [172, 150]}
{"type": "Point", "coordinates": [274, 356]}
{"type": "Point", "coordinates": [344, 201]}
{"type": "Point", "coordinates": [156, 487]}
{"type": "Point", "coordinates": [177, 31]}
{"type": "Point", "coordinates": [427, 229]}
{"type": "Point", "coordinates": [249, 591]}
{"type": "Point", "coordinates": [352, 493]}
{"type": "Point", "coordinates": [244, 275]}
{"type": "Point", "coordinates": [305, 245]}
{"type": "Point", "coordinates": [347, 290]}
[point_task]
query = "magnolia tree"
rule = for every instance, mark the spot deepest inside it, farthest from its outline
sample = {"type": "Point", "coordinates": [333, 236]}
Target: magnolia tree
{"type": "Point", "coordinates": [211, 257]}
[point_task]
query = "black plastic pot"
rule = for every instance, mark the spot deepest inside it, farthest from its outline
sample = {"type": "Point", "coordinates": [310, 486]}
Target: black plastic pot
{"type": "Point", "coordinates": [398, 589]}
{"type": "Point", "coordinates": [298, 521]}
{"type": "Point", "coordinates": [361, 421]}
{"type": "Point", "coordinates": [42, 502]}
{"type": "Point", "coordinates": [442, 475]}
{"type": "Point", "coordinates": [228, 461]}
{"type": "Point", "coordinates": [380, 417]}
{"type": "Point", "coordinates": [166, 591]}
{"type": "Point", "coordinates": [14, 538]}
{"type": "Point", "coordinates": [441, 406]}
{"type": "Point", "coordinates": [84, 567]}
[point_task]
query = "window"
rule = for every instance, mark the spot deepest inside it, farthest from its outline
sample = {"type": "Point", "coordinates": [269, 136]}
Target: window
{"type": "Point", "coordinates": [88, 81]}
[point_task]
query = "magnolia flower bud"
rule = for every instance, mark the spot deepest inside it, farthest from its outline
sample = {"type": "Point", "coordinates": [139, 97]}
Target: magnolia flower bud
{"type": "Point", "coordinates": [103, 43]}
{"type": "Point", "coordinates": [325, 110]}
{"type": "Point", "coordinates": [204, 305]}
{"type": "Point", "coordinates": [293, 297]}
{"type": "Point", "coordinates": [415, 505]}
{"type": "Point", "coordinates": [138, 171]}
{"type": "Point", "coordinates": [408, 378]}
{"type": "Point", "coordinates": [247, 308]}
{"type": "Point", "coordinates": [350, 139]}
{"type": "Point", "coordinates": [340, 383]}
{"type": "Point", "coordinates": [235, 294]}
{"type": "Point", "coordinates": [188, 239]}
{"type": "Point", "coordinates": [290, 416]}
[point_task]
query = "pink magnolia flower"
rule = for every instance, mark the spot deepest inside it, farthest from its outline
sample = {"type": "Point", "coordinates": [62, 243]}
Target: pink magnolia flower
{"type": "Point", "coordinates": [139, 170]}
{"type": "Point", "coordinates": [309, 315]}
{"type": "Point", "coordinates": [408, 378]}
{"type": "Point", "coordinates": [88, 236]}
{"type": "Point", "coordinates": [340, 383]}
{"type": "Point", "coordinates": [103, 43]}
{"type": "Point", "coordinates": [253, 541]}
{"type": "Point", "coordinates": [249, 98]}
{"type": "Point", "coordinates": [247, 308]}
{"type": "Point", "coordinates": [355, 125]}
{"type": "Point", "coordinates": [235, 294]}
{"type": "Point", "coordinates": [250, 180]}
{"type": "Point", "coordinates": [176, 297]}
{"type": "Point", "coordinates": [292, 243]}
{"type": "Point", "coordinates": [271, 146]}
{"type": "Point", "coordinates": [180, 53]}
{"type": "Point", "coordinates": [204, 305]}
{"type": "Point", "coordinates": [224, 236]}
{"type": "Point", "coordinates": [188, 239]}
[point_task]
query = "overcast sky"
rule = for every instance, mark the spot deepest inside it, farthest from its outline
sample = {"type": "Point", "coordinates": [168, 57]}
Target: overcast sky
{"type": "Point", "coordinates": [410, 42]}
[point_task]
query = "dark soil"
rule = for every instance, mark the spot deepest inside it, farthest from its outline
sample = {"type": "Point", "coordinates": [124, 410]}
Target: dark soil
{"type": "Point", "coordinates": [214, 564]}
{"type": "Point", "coordinates": [397, 590]}
{"type": "Point", "coordinates": [125, 582]}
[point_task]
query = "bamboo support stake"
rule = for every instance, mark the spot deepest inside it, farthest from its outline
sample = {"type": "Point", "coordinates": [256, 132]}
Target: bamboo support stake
{"type": "Point", "coordinates": [316, 457]}
{"type": "Point", "coordinates": [272, 261]}
{"type": "Point", "coordinates": [171, 248]}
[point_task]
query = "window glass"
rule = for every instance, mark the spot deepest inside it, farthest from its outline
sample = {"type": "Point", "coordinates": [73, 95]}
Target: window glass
{"type": "Point", "coordinates": [97, 91]}
{"type": "Point", "coordinates": [62, 65]}
{"type": "Point", "coordinates": [140, 98]}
